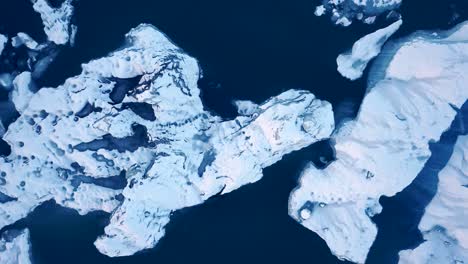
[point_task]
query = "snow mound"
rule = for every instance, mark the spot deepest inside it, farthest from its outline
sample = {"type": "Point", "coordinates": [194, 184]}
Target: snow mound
{"type": "Point", "coordinates": [385, 147]}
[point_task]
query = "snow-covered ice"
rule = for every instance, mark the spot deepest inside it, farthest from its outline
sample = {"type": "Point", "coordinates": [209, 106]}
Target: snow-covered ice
{"type": "Point", "coordinates": [14, 247]}
{"type": "Point", "coordinates": [444, 224]}
{"type": "Point", "coordinates": [387, 145]}
{"type": "Point", "coordinates": [352, 64]}
{"type": "Point", "coordinates": [138, 113]}
{"type": "Point", "coordinates": [56, 20]}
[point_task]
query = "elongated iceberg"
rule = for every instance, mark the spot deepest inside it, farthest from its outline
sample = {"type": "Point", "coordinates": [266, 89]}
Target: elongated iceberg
{"type": "Point", "coordinates": [385, 147]}
{"type": "Point", "coordinates": [353, 63]}
{"type": "Point", "coordinates": [134, 120]}
{"type": "Point", "coordinates": [444, 224]}
{"type": "Point", "coordinates": [14, 247]}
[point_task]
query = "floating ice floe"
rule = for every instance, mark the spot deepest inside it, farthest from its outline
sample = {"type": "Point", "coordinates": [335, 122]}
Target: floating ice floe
{"type": "Point", "coordinates": [444, 224]}
{"type": "Point", "coordinates": [14, 247]}
{"type": "Point", "coordinates": [57, 21]}
{"type": "Point", "coordinates": [136, 114]}
{"type": "Point", "coordinates": [352, 64]}
{"type": "Point", "coordinates": [343, 12]}
{"type": "Point", "coordinates": [3, 41]}
{"type": "Point", "coordinates": [387, 145]}
{"type": "Point", "coordinates": [24, 39]}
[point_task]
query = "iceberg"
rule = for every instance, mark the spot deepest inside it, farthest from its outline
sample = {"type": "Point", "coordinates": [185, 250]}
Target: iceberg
{"type": "Point", "coordinates": [136, 117]}
{"type": "Point", "coordinates": [56, 20]}
{"type": "Point", "coordinates": [386, 146]}
{"type": "Point", "coordinates": [14, 247]}
{"type": "Point", "coordinates": [444, 224]}
{"type": "Point", "coordinates": [352, 64]}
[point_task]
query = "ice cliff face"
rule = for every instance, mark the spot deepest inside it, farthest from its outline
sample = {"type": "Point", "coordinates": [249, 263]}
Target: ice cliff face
{"type": "Point", "coordinates": [385, 147]}
{"type": "Point", "coordinates": [134, 121]}
{"type": "Point", "coordinates": [344, 12]}
{"type": "Point", "coordinates": [14, 247]}
{"type": "Point", "coordinates": [56, 21]}
{"type": "Point", "coordinates": [352, 64]}
{"type": "Point", "coordinates": [444, 224]}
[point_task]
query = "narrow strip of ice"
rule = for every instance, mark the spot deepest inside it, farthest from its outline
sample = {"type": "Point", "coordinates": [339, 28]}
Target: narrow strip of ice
{"type": "Point", "coordinates": [138, 113]}
{"type": "Point", "coordinates": [444, 224]}
{"type": "Point", "coordinates": [56, 20]}
{"type": "Point", "coordinates": [3, 41]}
{"type": "Point", "coordinates": [352, 64]}
{"type": "Point", "coordinates": [14, 247]}
{"type": "Point", "coordinates": [384, 149]}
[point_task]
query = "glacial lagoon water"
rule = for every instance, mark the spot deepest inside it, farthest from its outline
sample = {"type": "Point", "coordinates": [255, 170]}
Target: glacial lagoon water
{"type": "Point", "coordinates": [247, 50]}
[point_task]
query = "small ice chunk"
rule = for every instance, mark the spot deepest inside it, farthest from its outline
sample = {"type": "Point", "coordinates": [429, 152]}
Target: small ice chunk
{"type": "Point", "coordinates": [320, 10]}
{"type": "Point", "coordinates": [24, 39]}
{"type": "Point", "coordinates": [15, 247]}
{"type": "Point", "coordinates": [352, 64]}
{"type": "Point", "coordinates": [3, 41]}
{"type": "Point", "coordinates": [246, 107]}
{"type": "Point", "coordinates": [56, 20]}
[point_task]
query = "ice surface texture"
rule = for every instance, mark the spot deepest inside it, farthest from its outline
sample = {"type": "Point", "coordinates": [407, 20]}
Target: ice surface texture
{"type": "Point", "coordinates": [137, 114]}
{"type": "Point", "coordinates": [444, 224]}
{"type": "Point", "coordinates": [385, 147]}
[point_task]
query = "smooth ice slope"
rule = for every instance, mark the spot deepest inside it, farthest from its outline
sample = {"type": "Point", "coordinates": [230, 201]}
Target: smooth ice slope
{"type": "Point", "coordinates": [56, 20]}
{"type": "Point", "coordinates": [385, 147]}
{"type": "Point", "coordinates": [444, 224]}
{"type": "Point", "coordinates": [137, 113]}
{"type": "Point", "coordinates": [14, 247]}
{"type": "Point", "coordinates": [352, 64]}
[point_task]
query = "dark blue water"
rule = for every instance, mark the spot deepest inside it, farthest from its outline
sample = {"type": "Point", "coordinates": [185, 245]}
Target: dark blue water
{"type": "Point", "coordinates": [247, 50]}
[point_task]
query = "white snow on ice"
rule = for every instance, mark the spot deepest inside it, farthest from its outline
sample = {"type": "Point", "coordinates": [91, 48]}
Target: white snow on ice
{"type": "Point", "coordinates": [189, 154]}
{"type": "Point", "coordinates": [352, 64]}
{"type": "Point", "coordinates": [386, 146]}
{"type": "Point", "coordinates": [444, 224]}
{"type": "Point", "coordinates": [14, 247]}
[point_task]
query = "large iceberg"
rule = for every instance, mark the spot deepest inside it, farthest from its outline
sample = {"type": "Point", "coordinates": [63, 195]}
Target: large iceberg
{"type": "Point", "coordinates": [135, 120]}
{"type": "Point", "coordinates": [444, 224]}
{"type": "Point", "coordinates": [14, 247]}
{"type": "Point", "coordinates": [57, 21]}
{"type": "Point", "coordinates": [353, 63]}
{"type": "Point", "coordinates": [385, 147]}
